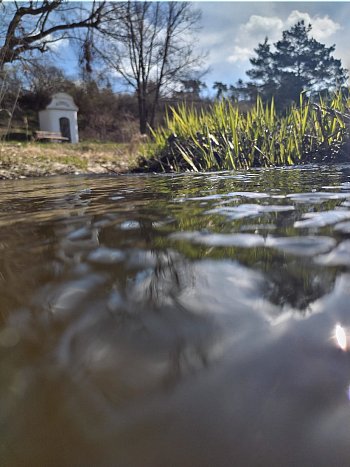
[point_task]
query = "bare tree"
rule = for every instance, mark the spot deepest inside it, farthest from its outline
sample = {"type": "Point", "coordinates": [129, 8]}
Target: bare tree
{"type": "Point", "coordinates": [151, 47]}
{"type": "Point", "coordinates": [32, 26]}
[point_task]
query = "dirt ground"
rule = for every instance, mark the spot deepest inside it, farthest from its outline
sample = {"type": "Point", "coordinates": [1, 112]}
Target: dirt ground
{"type": "Point", "coordinates": [21, 160]}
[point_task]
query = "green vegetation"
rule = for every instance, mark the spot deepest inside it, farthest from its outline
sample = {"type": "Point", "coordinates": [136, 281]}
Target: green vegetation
{"type": "Point", "coordinates": [223, 137]}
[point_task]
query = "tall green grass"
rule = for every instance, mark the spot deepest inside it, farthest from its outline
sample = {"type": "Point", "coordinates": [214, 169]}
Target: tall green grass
{"type": "Point", "coordinates": [223, 137]}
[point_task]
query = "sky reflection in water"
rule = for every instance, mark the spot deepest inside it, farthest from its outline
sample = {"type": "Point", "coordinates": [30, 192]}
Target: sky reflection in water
{"type": "Point", "coordinates": [191, 320]}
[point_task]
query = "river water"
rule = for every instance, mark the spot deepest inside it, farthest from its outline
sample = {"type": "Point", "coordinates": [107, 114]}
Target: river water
{"type": "Point", "coordinates": [178, 320]}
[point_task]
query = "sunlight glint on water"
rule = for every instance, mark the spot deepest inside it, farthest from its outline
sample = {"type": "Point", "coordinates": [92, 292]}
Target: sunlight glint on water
{"type": "Point", "coordinates": [185, 320]}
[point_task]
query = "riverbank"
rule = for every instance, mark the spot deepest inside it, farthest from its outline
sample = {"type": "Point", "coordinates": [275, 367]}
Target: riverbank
{"type": "Point", "coordinates": [21, 160]}
{"type": "Point", "coordinates": [223, 137]}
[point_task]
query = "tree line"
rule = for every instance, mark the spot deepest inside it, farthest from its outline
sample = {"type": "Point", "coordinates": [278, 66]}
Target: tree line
{"type": "Point", "coordinates": [149, 45]}
{"type": "Point", "coordinates": [103, 115]}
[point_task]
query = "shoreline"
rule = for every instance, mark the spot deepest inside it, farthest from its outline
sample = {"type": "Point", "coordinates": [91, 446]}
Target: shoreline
{"type": "Point", "coordinates": [32, 160]}
{"type": "Point", "coordinates": [29, 160]}
{"type": "Point", "coordinates": [32, 171]}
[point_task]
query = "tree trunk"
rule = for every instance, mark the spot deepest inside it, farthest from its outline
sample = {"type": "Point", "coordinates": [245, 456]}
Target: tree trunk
{"type": "Point", "coordinates": [143, 114]}
{"type": "Point", "coordinates": [143, 124]}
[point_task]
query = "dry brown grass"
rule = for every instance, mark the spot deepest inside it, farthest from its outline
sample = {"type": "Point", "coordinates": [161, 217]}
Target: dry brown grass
{"type": "Point", "coordinates": [19, 160]}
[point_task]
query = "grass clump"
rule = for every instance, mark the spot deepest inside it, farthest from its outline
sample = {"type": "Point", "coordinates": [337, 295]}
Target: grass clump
{"type": "Point", "coordinates": [223, 137]}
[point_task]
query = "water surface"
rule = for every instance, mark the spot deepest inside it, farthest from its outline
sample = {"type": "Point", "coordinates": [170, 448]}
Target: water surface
{"type": "Point", "coordinates": [178, 320]}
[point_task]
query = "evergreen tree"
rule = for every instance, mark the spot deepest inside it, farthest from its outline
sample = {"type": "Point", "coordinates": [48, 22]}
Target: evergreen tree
{"type": "Point", "coordinates": [243, 91]}
{"type": "Point", "coordinates": [263, 72]}
{"type": "Point", "coordinates": [298, 63]}
{"type": "Point", "coordinates": [221, 89]}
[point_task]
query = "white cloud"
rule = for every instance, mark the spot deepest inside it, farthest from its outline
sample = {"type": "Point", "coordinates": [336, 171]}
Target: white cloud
{"type": "Point", "coordinates": [296, 16]}
{"type": "Point", "coordinates": [210, 39]}
{"type": "Point", "coordinates": [240, 54]}
{"type": "Point", "coordinates": [261, 26]}
{"type": "Point", "coordinates": [322, 27]}
{"type": "Point", "coordinates": [54, 44]}
{"type": "Point", "coordinates": [58, 45]}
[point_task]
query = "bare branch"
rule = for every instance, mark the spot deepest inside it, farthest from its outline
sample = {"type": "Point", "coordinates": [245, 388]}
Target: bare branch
{"type": "Point", "coordinates": [32, 25]}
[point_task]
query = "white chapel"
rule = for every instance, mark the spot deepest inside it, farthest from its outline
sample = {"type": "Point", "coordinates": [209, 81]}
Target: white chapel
{"type": "Point", "coordinates": [61, 115]}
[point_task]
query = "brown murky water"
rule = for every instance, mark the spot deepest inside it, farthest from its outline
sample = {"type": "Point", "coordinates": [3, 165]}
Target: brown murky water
{"type": "Point", "coordinates": [183, 321]}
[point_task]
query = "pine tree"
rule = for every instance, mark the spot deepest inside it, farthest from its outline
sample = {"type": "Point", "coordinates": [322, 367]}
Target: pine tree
{"type": "Point", "coordinates": [221, 89]}
{"type": "Point", "coordinates": [298, 63]}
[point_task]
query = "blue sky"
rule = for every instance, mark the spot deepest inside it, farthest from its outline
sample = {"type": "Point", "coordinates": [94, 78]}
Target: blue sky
{"type": "Point", "coordinates": [231, 30]}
